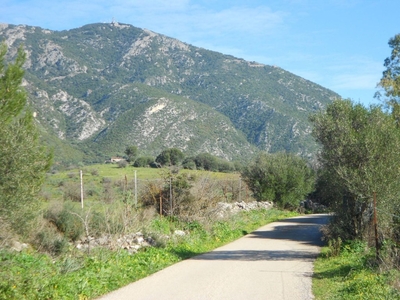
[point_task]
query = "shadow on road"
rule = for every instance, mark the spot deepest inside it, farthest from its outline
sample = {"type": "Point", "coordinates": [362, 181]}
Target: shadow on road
{"type": "Point", "coordinates": [320, 219]}
{"type": "Point", "coordinates": [305, 230]}
{"type": "Point", "coordinates": [258, 255]}
{"type": "Point", "coordinates": [301, 229]}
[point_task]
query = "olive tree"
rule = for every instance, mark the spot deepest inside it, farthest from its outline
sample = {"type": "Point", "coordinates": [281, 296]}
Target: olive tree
{"type": "Point", "coordinates": [170, 157]}
{"type": "Point", "coordinates": [360, 156]}
{"type": "Point", "coordinates": [23, 160]}
{"type": "Point", "coordinates": [283, 178]}
{"type": "Point", "coordinates": [131, 153]}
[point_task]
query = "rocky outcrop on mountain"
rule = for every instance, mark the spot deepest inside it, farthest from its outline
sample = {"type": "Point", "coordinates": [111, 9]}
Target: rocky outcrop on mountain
{"type": "Point", "coordinates": [106, 86]}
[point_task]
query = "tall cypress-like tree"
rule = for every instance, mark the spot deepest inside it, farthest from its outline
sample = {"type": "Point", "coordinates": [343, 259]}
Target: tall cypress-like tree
{"type": "Point", "coordinates": [390, 80]}
{"type": "Point", "coordinates": [23, 160]}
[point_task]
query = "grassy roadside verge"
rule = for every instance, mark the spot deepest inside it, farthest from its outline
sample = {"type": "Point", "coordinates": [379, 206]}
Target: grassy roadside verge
{"type": "Point", "coordinates": [352, 274]}
{"type": "Point", "coordinates": [75, 275]}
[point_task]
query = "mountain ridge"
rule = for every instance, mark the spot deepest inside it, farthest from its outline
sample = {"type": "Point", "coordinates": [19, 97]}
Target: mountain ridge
{"type": "Point", "coordinates": [82, 81]}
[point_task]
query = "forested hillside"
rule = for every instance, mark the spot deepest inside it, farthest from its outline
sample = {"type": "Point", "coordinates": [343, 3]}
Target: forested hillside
{"type": "Point", "coordinates": [107, 86]}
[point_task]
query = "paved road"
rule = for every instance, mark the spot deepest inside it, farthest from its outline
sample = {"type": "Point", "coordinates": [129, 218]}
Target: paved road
{"type": "Point", "coordinates": [273, 262]}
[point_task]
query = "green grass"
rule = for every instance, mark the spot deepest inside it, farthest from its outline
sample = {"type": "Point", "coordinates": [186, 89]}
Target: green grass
{"type": "Point", "coordinates": [113, 171]}
{"type": "Point", "coordinates": [94, 176]}
{"type": "Point", "coordinates": [352, 275]}
{"type": "Point", "coordinates": [76, 275]}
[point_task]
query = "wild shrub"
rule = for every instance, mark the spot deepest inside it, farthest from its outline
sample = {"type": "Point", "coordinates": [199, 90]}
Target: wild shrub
{"type": "Point", "coordinates": [207, 193]}
{"type": "Point", "coordinates": [94, 172]}
{"type": "Point", "coordinates": [106, 180]}
{"type": "Point", "coordinates": [143, 161]}
{"type": "Point", "coordinates": [152, 192]}
{"type": "Point", "coordinates": [175, 193]}
{"type": "Point", "coordinates": [66, 220]}
{"type": "Point", "coordinates": [72, 191]}
{"type": "Point", "coordinates": [283, 178]}
{"type": "Point", "coordinates": [122, 164]}
{"type": "Point", "coordinates": [108, 194]}
{"type": "Point", "coordinates": [50, 240]}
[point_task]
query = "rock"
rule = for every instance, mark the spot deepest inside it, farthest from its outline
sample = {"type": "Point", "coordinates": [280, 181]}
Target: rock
{"type": "Point", "coordinates": [151, 241]}
{"type": "Point", "coordinates": [145, 244]}
{"type": "Point", "coordinates": [134, 241]}
{"type": "Point", "coordinates": [179, 233]}
{"type": "Point", "coordinates": [139, 240]}
{"type": "Point", "coordinates": [17, 246]}
{"type": "Point", "coordinates": [223, 208]}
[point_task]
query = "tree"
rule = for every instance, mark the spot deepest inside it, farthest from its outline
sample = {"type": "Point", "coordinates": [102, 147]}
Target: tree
{"type": "Point", "coordinates": [170, 157]}
{"type": "Point", "coordinates": [390, 80]}
{"type": "Point", "coordinates": [23, 161]}
{"type": "Point", "coordinates": [131, 152]}
{"type": "Point", "coordinates": [189, 163]}
{"type": "Point", "coordinates": [282, 178]}
{"type": "Point", "coordinates": [206, 162]}
{"type": "Point", "coordinates": [12, 96]}
{"type": "Point", "coordinates": [360, 156]}
{"type": "Point", "coordinates": [143, 161]}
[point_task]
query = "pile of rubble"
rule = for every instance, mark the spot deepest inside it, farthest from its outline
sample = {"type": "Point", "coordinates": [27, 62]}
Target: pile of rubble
{"type": "Point", "coordinates": [223, 209]}
{"type": "Point", "coordinates": [130, 242]}
{"type": "Point", "coordinates": [135, 241]}
{"type": "Point", "coordinates": [315, 207]}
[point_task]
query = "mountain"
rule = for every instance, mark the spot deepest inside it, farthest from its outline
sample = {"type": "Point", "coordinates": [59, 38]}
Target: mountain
{"type": "Point", "coordinates": [102, 87]}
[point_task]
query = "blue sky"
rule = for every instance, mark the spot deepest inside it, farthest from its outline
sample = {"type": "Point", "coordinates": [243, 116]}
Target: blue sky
{"type": "Point", "coordinates": [339, 44]}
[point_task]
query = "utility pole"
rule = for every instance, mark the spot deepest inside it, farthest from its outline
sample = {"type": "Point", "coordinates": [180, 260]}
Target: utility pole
{"type": "Point", "coordinates": [170, 196]}
{"type": "Point", "coordinates": [135, 189]}
{"type": "Point", "coordinates": [240, 189]}
{"type": "Point", "coordinates": [161, 204]}
{"type": "Point", "coordinates": [81, 176]}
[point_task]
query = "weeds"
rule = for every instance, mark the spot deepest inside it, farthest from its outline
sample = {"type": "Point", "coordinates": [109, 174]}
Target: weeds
{"type": "Point", "coordinates": [351, 275]}
{"type": "Point", "coordinates": [73, 274]}
{"type": "Point", "coordinates": [67, 273]}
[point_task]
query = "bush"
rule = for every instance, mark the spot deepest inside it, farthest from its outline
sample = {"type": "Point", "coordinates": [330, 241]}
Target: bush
{"type": "Point", "coordinates": [49, 240]}
{"type": "Point", "coordinates": [189, 164]}
{"type": "Point", "coordinates": [122, 164]}
{"type": "Point", "coordinates": [282, 178]}
{"type": "Point", "coordinates": [206, 161]}
{"type": "Point", "coordinates": [143, 161]}
{"type": "Point", "coordinates": [170, 157]}
{"type": "Point", "coordinates": [94, 172]}
{"type": "Point", "coordinates": [72, 191]}
{"type": "Point", "coordinates": [66, 220]}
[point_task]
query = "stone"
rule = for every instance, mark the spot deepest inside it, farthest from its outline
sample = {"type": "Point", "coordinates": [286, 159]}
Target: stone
{"type": "Point", "coordinates": [17, 246]}
{"type": "Point", "coordinates": [179, 233]}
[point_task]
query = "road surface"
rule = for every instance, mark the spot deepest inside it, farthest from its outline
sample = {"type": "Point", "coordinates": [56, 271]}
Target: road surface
{"type": "Point", "coordinates": [274, 262]}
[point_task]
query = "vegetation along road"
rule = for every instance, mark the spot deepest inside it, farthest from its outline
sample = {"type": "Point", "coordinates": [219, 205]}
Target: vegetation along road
{"type": "Point", "coordinates": [273, 262]}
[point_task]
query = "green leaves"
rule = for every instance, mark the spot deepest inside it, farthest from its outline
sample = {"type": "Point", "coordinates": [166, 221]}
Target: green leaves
{"type": "Point", "coordinates": [282, 178]}
{"type": "Point", "coordinates": [23, 161]}
{"type": "Point", "coordinates": [12, 95]}
{"type": "Point", "coordinates": [30, 275]}
{"type": "Point", "coordinates": [170, 157]}
{"type": "Point", "coordinates": [219, 104]}
{"type": "Point", "coordinates": [131, 152]}
{"type": "Point", "coordinates": [360, 155]}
